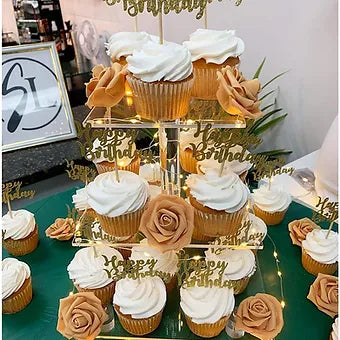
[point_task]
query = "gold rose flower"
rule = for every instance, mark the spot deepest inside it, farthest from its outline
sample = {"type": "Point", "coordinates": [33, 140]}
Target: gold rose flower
{"type": "Point", "coordinates": [298, 229]}
{"type": "Point", "coordinates": [261, 316]}
{"type": "Point", "coordinates": [324, 294]}
{"type": "Point", "coordinates": [107, 86]}
{"type": "Point", "coordinates": [237, 95]}
{"type": "Point", "coordinates": [168, 223]}
{"type": "Point", "coordinates": [80, 316]}
{"type": "Point", "coordinates": [62, 229]}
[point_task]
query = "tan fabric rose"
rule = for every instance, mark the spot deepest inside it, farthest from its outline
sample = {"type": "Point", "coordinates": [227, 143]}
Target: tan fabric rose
{"type": "Point", "coordinates": [62, 229]}
{"type": "Point", "coordinates": [324, 294]}
{"type": "Point", "coordinates": [237, 95]}
{"type": "Point", "coordinates": [260, 316]}
{"type": "Point", "coordinates": [168, 223]}
{"type": "Point", "coordinates": [298, 229]}
{"type": "Point", "coordinates": [107, 86]}
{"type": "Point", "coordinates": [80, 316]}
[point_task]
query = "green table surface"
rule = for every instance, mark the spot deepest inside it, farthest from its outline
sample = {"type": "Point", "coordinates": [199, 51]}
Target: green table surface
{"type": "Point", "coordinates": [303, 321]}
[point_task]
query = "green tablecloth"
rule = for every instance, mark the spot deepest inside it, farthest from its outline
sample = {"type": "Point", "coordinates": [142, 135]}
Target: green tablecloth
{"type": "Point", "coordinates": [50, 283]}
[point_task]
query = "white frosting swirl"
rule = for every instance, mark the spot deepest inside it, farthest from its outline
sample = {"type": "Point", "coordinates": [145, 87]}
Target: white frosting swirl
{"type": "Point", "coordinates": [140, 298]}
{"type": "Point", "coordinates": [18, 227]}
{"type": "Point", "coordinates": [166, 262]}
{"type": "Point", "coordinates": [111, 198]}
{"type": "Point", "coordinates": [155, 62]}
{"type": "Point", "coordinates": [235, 166]}
{"type": "Point", "coordinates": [80, 199]}
{"type": "Point", "coordinates": [273, 200]}
{"type": "Point", "coordinates": [121, 147]}
{"type": "Point", "coordinates": [87, 269]}
{"type": "Point", "coordinates": [14, 274]}
{"type": "Point", "coordinates": [186, 137]}
{"type": "Point", "coordinates": [241, 262]}
{"type": "Point", "coordinates": [122, 44]}
{"type": "Point", "coordinates": [214, 46]}
{"type": "Point", "coordinates": [150, 172]}
{"type": "Point", "coordinates": [320, 248]}
{"type": "Point", "coordinates": [207, 305]}
{"type": "Point", "coordinates": [335, 330]}
{"type": "Point", "coordinates": [227, 192]}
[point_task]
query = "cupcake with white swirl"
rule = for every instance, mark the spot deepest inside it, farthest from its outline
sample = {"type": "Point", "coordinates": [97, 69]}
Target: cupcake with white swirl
{"type": "Point", "coordinates": [219, 201]}
{"type": "Point", "coordinates": [186, 158]}
{"type": "Point", "coordinates": [122, 44]}
{"type": "Point", "coordinates": [118, 203]}
{"type": "Point", "coordinates": [19, 232]}
{"type": "Point", "coordinates": [320, 252]}
{"type": "Point", "coordinates": [161, 80]}
{"type": "Point", "coordinates": [207, 309]}
{"type": "Point", "coordinates": [16, 286]}
{"type": "Point", "coordinates": [80, 202]}
{"type": "Point", "coordinates": [87, 271]}
{"type": "Point", "coordinates": [211, 50]}
{"type": "Point", "coordinates": [127, 158]}
{"type": "Point", "coordinates": [241, 265]}
{"type": "Point", "coordinates": [271, 204]}
{"type": "Point", "coordinates": [139, 304]}
{"type": "Point", "coordinates": [166, 262]}
{"type": "Point", "coordinates": [237, 167]}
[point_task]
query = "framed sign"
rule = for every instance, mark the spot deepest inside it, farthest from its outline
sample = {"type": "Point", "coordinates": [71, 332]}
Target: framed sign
{"type": "Point", "coordinates": [35, 105]}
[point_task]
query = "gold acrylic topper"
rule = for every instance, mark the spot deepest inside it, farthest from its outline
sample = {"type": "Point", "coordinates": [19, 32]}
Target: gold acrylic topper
{"type": "Point", "coordinates": [11, 191]}
{"type": "Point", "coordinates": [80, 172]}
{"type": "Point", "coordinates": [134, 7]}
{"type": "Point", "coordinates": [216, 144]}
{"type": "Point", "coordinates": [327, 210]}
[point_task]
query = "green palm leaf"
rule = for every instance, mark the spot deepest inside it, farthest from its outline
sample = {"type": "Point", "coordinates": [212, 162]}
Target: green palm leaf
{"type": "Point", "coordinates": [261, 120]}
{"type": "Point", "coordinates": [258, 71]}
{"type": "Point", "coordinates": [267, 94]}
{"type": "Point", "coordinates": [268, 125]}
{"type": "Point", "coordinates": [270, 81]}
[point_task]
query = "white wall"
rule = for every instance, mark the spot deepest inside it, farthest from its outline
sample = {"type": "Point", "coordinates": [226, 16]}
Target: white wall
{"type": "Point", "coordinates": [8, 19]}
{"type": "Point", "coordinates": [299, 36]}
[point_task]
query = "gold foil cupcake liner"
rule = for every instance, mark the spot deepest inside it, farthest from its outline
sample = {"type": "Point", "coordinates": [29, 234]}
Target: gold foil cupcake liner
{"type": "Point", "coordinates": [215, 225]}
{"type": "Point", "coordinates": [23, 246]}
{"type": "Point", "coordinates": [315, 267]}
{"type": "Point", "coordinates": [269, 218]}
{"type": "Point", "coordinates": [123, 225]}
{"type": "Point", "coordinates": [139, 326]}
{"type": "Point", "coordinates": [207, 330]}
{"type": "Point", "coordinates": [187, 161]}
{"type": "Point", "coordinates": [18, 300]}
{"type": "Point", "coordinates": [205, 84]}
{"type": "Point", "coordinates": [110, 166]}
{"type": "Point", "coordinates": [170, 286]}
{"type": "Point", "coordinates": [104, 294]}
{"type": "Point", "coordinates": [163, 100]}
{"type": "Point", "coordinates": [198, 236]}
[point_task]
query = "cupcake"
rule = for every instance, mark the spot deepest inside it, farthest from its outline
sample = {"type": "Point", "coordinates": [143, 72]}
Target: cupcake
{"type": "Point", "coordinates": [122, 45]}
{"type": "Point", "coordinates": [219, 201]}
{"type": "Point", "coordinates": [271, 204]}
{"type": "Point", "coordinates": [151, 173]}
{"type": "Point", "coordinates": [241, 266]}
{"type": "Point", "coordinates": [211, 50]}
{"type": "Point", "coordinates": [320, 254]}
{"type": "Point", "coordinates": [139, 304]}
{"type": "Point", "coordinates": [124, 163]}
{"type": "Point", "coordinates": [186, 158]}
{"type": "Point", "coordinates": [20, 232]}
{"type": "Point", "coordinates": [80, 201]}
{"type": "Point", "coordinates": [87, 271]}
{"type": "Point", "coordinates": [239, 168]}
{"type": "Point", "coordinates": [119, 205]}
{"type": "Point", "coordinates": [335, 331]}
{"type": "Point", "coordinates": [161, 80]}
{"type": "Point", "coordinates": [16, 286]}
{"type": "Point", "coordinates": [166, 262]}
{"type": "Point", "coordinates": [207, 309]}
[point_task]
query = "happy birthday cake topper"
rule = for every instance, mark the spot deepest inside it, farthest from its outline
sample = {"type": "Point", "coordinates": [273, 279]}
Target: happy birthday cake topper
{"type": "Point", "coordinates": [326, 211]}
{"type": "Point", "coordinates": [135, 7]}
{"type": "Point", "coordinates": [80, 172]}
{"type": "Point", "coordinates": [11, 191]}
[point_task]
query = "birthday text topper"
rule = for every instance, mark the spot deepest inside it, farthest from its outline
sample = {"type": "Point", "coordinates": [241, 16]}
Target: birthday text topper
{"type": "Point", "coordinates": [218, 144]}
{"type": "Point", "coordinates": [326, 210]}
{"type": "Point", "coordinates": [110, 144]}
{"type": "Point", "coordinates": [80, 172]}
{"type": "Point", "coordinates": [135, 7]}
{"type": "Point", "coordinates": [12, 191]}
